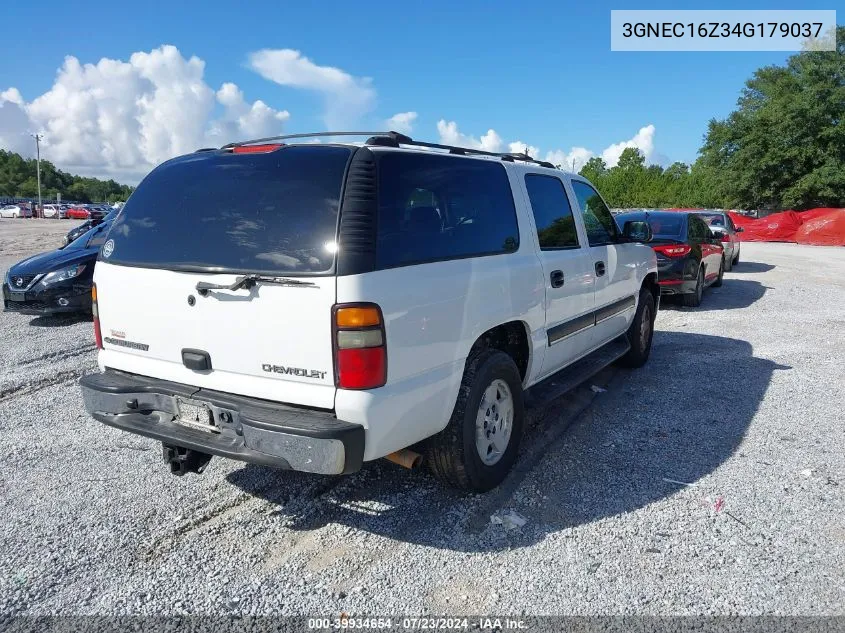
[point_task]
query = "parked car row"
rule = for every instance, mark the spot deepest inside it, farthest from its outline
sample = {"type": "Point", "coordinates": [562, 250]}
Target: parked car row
{"type": "Point", "coordinates": [694, 249]}
{"type": "Point", "coordinates": [62, 211]}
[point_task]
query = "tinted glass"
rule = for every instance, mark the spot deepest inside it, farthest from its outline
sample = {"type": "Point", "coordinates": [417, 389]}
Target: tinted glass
{"type": "Point", "coordinates": [598, 220]}
{"type": "Point", "coordinates": [273, 212]}
{"type": "Point", "coordinates": [697, 228]}
{"type": "Point", "coordinates": [435, 206]}
{"type": "Point", "coordinates": [552, 212]}
{"type": "Point", "coordinates": [667, 226]}
{"type": "Point", "coordinates": [88, 236]}
{"type": "Point", "coordinates": [99, 236]}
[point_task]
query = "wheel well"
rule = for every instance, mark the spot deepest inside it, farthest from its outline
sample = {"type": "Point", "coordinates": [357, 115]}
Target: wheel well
{"type": "Point", "coordinates": [512, 339]}
{"type": "Point", "coordinates": [650, 282]}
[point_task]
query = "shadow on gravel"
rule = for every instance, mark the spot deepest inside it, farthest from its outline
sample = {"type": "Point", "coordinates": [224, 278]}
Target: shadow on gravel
{"type": "Point", "coordinates": [752, 267]}
{"type": "Point", "coordinates": [679, 418]}
{"type": "Point", "coordinates": [734, 294]}
{"type": "Point", "coordinates": [60, 320]}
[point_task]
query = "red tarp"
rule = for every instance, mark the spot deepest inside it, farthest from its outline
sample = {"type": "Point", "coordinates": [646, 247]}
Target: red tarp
{"type": "Point", "coordinates": [816, 226]}
{"type": "Point", "coordinates": [824, 229]}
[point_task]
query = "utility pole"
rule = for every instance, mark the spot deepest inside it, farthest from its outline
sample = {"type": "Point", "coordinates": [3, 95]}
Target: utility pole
{"type": "Point", "coordinates": [38, 138]}
{"type": "Point", "coordinates": [573, 165]}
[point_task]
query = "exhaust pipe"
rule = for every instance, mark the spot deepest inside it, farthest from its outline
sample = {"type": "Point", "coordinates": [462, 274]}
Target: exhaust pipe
{"type": "Point", "coordinates": [406, 458]}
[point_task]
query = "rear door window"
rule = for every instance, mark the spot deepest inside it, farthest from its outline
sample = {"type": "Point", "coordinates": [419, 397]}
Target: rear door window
{"type": "Point", "coordinates": [435, 207]}
{"type": "Point", "coordinates": [272, 212]}
{"type": "Point", "coordinates": [552, 212]}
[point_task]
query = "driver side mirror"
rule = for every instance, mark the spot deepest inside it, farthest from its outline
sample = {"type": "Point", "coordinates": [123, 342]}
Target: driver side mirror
{"type": "Point", "coordinates": [637, 231]}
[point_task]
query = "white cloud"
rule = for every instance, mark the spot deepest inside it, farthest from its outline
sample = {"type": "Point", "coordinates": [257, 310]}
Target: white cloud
{"type": "Point", "coordinates": [643, 140]}
{"type": "Point", "coordinates": [14, 128]}
{"type": "Point", "coordinates": [347, 98]}
{"type": "Point", "coordinates": [121, 118]}
{"type": "Point", "coordinates": [402, 122]}
{"type": "Point", "coordinates": [12, 95]}
{"type": "Point", "coordinates": [577, 156]}
{"type": "Point", "coordinates": [573, 160]}
{"type": "Point", "coordinates": [450, 135]}
{"type": "Point", "coordinates": [242, 120]}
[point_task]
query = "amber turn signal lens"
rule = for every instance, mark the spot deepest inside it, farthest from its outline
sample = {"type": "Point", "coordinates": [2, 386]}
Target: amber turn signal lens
{"type": "Point", "coordinates": [93, 293]}
{"type": "Point", "coordinates": [357, 317]}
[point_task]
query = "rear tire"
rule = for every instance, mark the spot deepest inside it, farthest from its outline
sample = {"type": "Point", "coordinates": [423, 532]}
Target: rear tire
{"type": "Point", "coordinates": [641, 332]}
{"type": "Point", "coordinates": [718, 282]}
{"type": "Point", "coordinates": [454, 455]}
{"type": "Point", "coordinates": [727, 264]}
{"type": "Point", "coordinates": [736, 260]}
{"type": "Point", "coordinates": [693, 299]}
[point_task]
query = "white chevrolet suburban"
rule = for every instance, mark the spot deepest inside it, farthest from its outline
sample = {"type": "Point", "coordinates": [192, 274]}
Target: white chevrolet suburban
{"type": "Point", "coordinates": [313, 306]}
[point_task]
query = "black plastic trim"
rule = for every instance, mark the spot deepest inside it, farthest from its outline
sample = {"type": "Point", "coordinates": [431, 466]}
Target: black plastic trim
{"type": "Point", "coordinates": [253, 412]}
{"type": "Point", "coordinates": [358, 222]}
{"type": "Point", "coordinates": [567, 328]}
{"type": "Point", "coordinates": [614, 308]}
{"type": "Point", "coordinates": [196, 359]}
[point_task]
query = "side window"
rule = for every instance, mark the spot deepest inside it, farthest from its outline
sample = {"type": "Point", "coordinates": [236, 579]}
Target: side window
{"type": "Point", "coordinates": [601, 228]}
{"type": "Point", "coordinates": [434, 207]}
{"type": "Point", "coordinates": [552, 212]}
{"type": "Point", "coordinates": [731, 225]}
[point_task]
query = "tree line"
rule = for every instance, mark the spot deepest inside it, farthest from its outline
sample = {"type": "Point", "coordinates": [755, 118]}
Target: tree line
{"type": "Point", "coordinates": [783, 147]}
{"type": "Point", "coordinates": [18, 179]}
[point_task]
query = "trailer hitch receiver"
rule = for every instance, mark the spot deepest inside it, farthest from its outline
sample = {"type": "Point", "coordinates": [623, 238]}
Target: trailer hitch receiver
{"type": "Point", "coordinates": [184, 460]}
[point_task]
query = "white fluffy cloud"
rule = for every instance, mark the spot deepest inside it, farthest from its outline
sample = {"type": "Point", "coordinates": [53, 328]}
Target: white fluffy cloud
{"type": "Point", "coordinates": [347, 98]}
{"type": "Point", "coordinates": [450, 135]}
{"type": "Point", "coordinates": [240, 119]}
{"type": "Point", "coordinates": [402, 122]}
{"type": "Point", "coordinates": [642, 140]}
{"type": "Point", "coordinates": [123, 117]}
{"type": "Point", "coordinates": [577, 156]}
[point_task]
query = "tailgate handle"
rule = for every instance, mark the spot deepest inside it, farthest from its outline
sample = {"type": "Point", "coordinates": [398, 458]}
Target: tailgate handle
{"type": "Point", "coordinates": [196, 359]}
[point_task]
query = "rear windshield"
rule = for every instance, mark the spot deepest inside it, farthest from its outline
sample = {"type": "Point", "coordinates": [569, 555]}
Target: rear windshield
{"type": "Point", "coordinates": [272, 212]}
{"type": "Point", "coordinates": [667, 226]}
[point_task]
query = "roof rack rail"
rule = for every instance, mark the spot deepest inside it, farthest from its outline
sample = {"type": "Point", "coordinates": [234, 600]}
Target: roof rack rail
{"type": "Point", "coordinates": [395, 139]}
{"type": "Point", "coordinates": [306, 135]}
{"type": "Point", "coordinates": [525, 157]}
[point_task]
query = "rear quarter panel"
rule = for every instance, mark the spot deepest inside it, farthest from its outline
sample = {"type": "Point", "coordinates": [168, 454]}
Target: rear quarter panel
{"type": "Point", "coordinates": [433, 314]}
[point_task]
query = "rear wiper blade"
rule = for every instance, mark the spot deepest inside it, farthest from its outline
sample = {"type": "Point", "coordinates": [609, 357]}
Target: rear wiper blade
{"type": "Point", "coordinates": [248, 281]}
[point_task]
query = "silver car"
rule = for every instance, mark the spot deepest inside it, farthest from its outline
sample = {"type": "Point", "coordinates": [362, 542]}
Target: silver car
{"type": "Point", "coordinates": [723, 227]}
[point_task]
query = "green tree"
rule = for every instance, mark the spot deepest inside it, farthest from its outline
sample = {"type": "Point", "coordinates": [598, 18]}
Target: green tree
{"type": "Point", "coordinates": [784, 146]}
{"type": "Point", "coordinates": [594, 169]}
{"type": "Point", "coordinates": [18, 178]}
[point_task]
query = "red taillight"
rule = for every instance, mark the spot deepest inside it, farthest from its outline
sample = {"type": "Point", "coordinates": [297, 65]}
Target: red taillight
{"type": "Point", "coordinates": [255, 149]}
{"type": "Point", "coordinates": [673, 250]}
{"type": "Point", "coordinates": [98, 335]}
{"type": "Point", "coordinates": [361, 368]}
{"type": "Point", "coordinates": [360, 346]}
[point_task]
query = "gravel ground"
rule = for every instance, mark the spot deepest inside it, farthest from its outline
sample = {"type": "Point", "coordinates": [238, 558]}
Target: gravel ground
{"type": "Point", "coordinates": [742, 401]}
